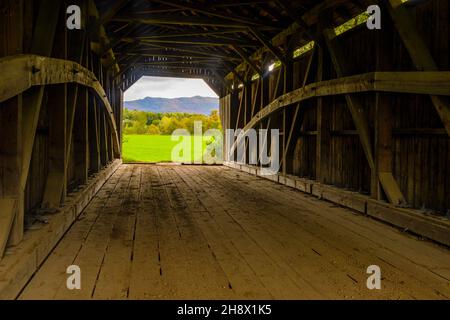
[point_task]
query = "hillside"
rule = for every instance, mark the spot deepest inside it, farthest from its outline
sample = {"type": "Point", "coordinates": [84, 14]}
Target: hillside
{"type": "Point", "coordinates": [197, 104]}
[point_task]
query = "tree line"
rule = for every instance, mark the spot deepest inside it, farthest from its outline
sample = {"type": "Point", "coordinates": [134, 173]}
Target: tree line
{"type": "Point", "coordinates": [159, 123]}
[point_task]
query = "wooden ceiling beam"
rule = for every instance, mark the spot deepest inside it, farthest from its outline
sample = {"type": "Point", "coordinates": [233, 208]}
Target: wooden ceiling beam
{"type": "Point", "coordinates": [152, 73]}
{"type": "Point", "coordinates": [113, 10]}
{"type": "Point", "coordinates": [243, 55]}
{"type": "Point", "coordinates": [188, 20]}
{"type": "Point", "coordinates": [209, 12]}
{"type": "Point", "coordinates": [191, 50]}
{"type": "Point", "coordinates": [166, 54]}
{"type": "Point", "coordinates": [181, 63]}
{"type": "Point", "coordinates": [232, 3]}
{"type": "Point", "coordinates": [196, 41]}
{"type": "Point", "coordinates": [310, 18]}
{"type": "Point", "coordinates": [116, 41]}
{"type": "Point", "coordinates": [179, 67]}
{"type": "Point", "coordinates": [191, 34]}
{"type": "Point", "coordinates": [268, 44]}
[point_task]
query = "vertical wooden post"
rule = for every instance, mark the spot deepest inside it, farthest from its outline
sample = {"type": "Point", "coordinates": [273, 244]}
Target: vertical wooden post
{"type": "Point", "coordinates": [357, 111]}
{"type": "Point", "coordinates": [11, 144]}
{"type": "Point", "coordinates": [419, 53]}
{"type": "Point", "coordinates": [265, 96]}
{"type": "Point", "coordinates": [288, 83]}
{"type": "Point", "coordinates": [247, 115]}
{"type": "Point", "coordinates": [103, 134]}
{"type": "Point", "coordinates": [76, 48]}
{"type": "Point", "coordinates": [56, 183]}
{"type": "Point", "coordinates": [94, 144]}
{"type": "Point", "coordinates": [41, 43]}
{"type": "Point", "coordinates": [81, 142]}
{"type": "Point", "coordinates": [248, 101]}
{"type": "Point", "coordinates": [120, 116]}
{"type": "Point", "coordinates": [383, 125]}
{"type": "Point", "coordinates": [323, 128]}
{"type": "Point", "coordinates": [323, 138]}
{"type": "Point", "coordinates": [56, 179]}
{"type": "Point", "coordinates": [233, 116]}
{"type": "Point", "coordinates": [11, 193]}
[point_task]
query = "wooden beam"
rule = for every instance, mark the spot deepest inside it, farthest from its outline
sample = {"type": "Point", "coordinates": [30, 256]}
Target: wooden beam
{"type": "Point", "coordinates": [419, 53]}
{"type": "Point", "coordinates": [56, 180]}
{"type": "Point", "coordinates": [190, 34]}
{"type": "Point", "coordinates": [323, 137]}
{"type": "Point", "coordinates": [268, 44]}
{"type": "Point", "coordinates": [182, 62]}
{"type": "Point", "coordinates": [177, 54]}
{"type": "Point", "coordinates": [11, 193]}
{"type": "Point", "coordinates": [18, 268]}
{"type": "Point", "coordinates": [243, 55]}
{"type": "Point", "coordinates": [214, 87]}
{"type": "Point", "coordinates": [51, 71]}
{"type": "Point", "coordinates": [201, 41]}
{"type": "Point", "coordinates": [310, 18]}
{"type": "Point", "coordinates": [12, 23]}
{"type": "Point", "coordinates": [368, 82]}
{"type": "Point", "coordinates": [76, 98]}
{"type": "Point", "coordinates": [113, 10]}
{"type": "Point", "coordinates": [324, 110]}
{"type": "Point", "coordinates": [172, 74]}
{"type": "Point", "coordinates": [113, 42]}
{"type": "Point", "coordinates": [94, 138]}
{"type": "Point", "coordinates": [376, 81]}
{"type": "Point", "coordinates": [383, 125]}
{"type": "Point", "coordinates": [295, 122]}
{"type": "Point", "coordinates": [173, 19]}
{"type": "Point", "coordinates": [81, 141]}
{"type": "Point", "coordinates": [256, 96]}
{"type": "Point", "coordinates": [356, 110]}
{"type": "Point", "coordinates": [383, 152]}
{"type": "Point", "coordinates": [204, 66]}
{"type": "Point", "coordinates": [42, 43]}
{"type": "Point", "coordinates": [57, 95]}
{"type": "Point", "coordinates": [103, 138]}
{"type": "Point", "coordinates": [286, 5]}
{"type": "Point", "coordinates": [189, 49]}
{"type": "Point", "coordinates": [232, 3]}
{"type": "Point", "coordinates": [209, 12]}
{"type": "Point", "coordinates": [8, 209]}
{"type": "Point", "coordinates": [97, 31]}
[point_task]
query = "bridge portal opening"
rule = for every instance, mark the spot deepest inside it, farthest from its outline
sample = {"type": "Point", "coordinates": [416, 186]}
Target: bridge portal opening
{"type": "Point", "coordinates": [169, 119]}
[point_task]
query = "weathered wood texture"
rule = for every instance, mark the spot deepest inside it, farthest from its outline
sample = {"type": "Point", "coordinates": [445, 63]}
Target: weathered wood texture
{"type": "Point", "coordinates": [46, 109]}
{"type": "Point", "coordinates": [23, 260]}
{"type": "Point", "coordinates": [411, 162]}
{"type": "Point", "coordinates": [191, 232]}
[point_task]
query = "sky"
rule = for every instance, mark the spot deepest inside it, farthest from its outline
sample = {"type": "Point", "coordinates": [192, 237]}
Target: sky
{"type": "Point", "coordinates": [160, 87]}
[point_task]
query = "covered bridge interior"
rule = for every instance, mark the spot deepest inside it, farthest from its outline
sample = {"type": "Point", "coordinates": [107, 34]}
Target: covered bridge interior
{"type": "Point", "coordinates": [364, 150]}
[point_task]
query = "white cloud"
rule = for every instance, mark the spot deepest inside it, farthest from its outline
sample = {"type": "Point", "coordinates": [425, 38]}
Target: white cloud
{"type": "Point", "coordinates": [168, 88]}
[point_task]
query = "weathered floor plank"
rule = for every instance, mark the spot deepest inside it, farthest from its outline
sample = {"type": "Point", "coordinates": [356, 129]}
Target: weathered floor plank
{"type": "Point", "coordinates": [180, 232]}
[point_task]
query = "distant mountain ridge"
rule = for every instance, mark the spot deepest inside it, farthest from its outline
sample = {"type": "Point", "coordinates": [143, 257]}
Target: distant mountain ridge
{"type": "Point", "coordinates": [197, 104]}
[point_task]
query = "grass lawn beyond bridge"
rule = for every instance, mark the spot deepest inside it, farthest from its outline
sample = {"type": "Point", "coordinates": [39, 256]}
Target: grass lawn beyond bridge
{"type": "Point", "coordinates": [155, 148]}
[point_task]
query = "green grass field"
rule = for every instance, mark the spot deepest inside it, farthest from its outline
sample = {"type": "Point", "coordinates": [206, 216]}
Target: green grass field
{"type": "Point", "coordinates": [158, 148]}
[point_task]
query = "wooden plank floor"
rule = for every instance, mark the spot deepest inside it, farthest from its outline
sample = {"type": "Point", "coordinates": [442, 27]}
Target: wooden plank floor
{"type": "Point", "coordinates": [164, 231]}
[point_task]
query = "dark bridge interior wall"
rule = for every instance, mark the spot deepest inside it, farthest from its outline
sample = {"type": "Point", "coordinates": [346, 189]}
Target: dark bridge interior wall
{"type": "Point", "coordinates": [63, 128]}
{"type": "Point", "coordinates": [325, 145]}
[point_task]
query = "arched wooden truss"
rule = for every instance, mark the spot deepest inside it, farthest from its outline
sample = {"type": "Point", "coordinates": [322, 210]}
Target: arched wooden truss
{"type": "Point", "coordinates": [21, 72]}
{"type": "Point", "coordinates": [287, 106]}
{"type": "Point", "coordinates": [434, 83]}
